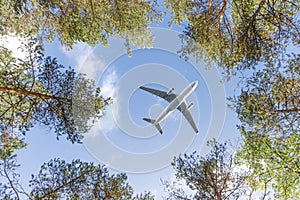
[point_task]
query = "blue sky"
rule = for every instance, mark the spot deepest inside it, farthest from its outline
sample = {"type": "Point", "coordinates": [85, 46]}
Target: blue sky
{"type": "Point", "coordinates": [132, 145]}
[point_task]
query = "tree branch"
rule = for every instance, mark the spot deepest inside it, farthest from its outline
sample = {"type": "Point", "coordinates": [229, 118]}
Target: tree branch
{"type": "Point", "coordinates": [285, 111]}
{"type": "Point", "coordinates": [9, 180]}
{"type": "Point", "coordinates": [60, 187]}
{"type": "Point", "coordinates": [222, 13]}
{"type": "Point", "coordinates": [30, 93]}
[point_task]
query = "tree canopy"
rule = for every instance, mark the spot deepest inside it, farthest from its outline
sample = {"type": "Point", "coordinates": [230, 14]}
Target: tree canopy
{"type": "Point", "coordinates": [39, 91]}
{"type": "Point", "coordinates": [270, 99]}
{"type": "Point", "coordinates": [214, 176]}
{"type": "Point", "coordinates": [87, 21]}
{"type": "Point", "coordinates": [236, 34]}
{"type": "Point", "coordinates": [269, 110]}
{"type": "Point", "coordinates": [58, 179]}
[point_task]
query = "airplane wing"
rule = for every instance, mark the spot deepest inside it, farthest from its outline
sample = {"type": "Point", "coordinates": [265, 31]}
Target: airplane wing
{"type": "Point", "coordinates": [164, 95]}
{"type": "Point", "coordinates": [187, 114]}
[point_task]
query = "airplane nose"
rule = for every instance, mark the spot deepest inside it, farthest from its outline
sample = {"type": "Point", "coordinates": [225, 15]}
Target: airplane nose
{"type": "Point", "coordinates": [195, 84]}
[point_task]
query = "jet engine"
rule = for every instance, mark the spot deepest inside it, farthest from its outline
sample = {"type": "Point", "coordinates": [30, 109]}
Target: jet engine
{"type": "Point", "coordinates": [170, 91]}
{"type": "Point", "coordinates": [190, 105]}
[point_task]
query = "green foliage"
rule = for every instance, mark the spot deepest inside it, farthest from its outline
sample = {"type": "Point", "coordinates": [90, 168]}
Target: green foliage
{"type": "Point", "coordinates": [211, 177]}
{"type": "Point", "coordinates": [269, 110]}
{"type": "Point", "coordinates": [236, 34]}
{"type": "Point", "coordinates": [275, 162]}
{"type": "Point", "coordinates": [39, 91]}
{"type": "Point", "coordinates": [78, 180]}
{"type": "Point", "coordinates": [144, 196]}
{"type": "Point", "coordinates": [269, 102]}
{"type": "Point", "coordinates": [87, 21]}
{"type": "Point", "coordinates": [10, 187]}
{"type": "Point", "coordinates": [58, 179]}
{"type": "Point", "coordinates": [9, 144]}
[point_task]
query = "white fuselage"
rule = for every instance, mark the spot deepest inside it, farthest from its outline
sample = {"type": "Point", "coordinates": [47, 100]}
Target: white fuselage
{"type": "Point", "coordinates": [176, 102]}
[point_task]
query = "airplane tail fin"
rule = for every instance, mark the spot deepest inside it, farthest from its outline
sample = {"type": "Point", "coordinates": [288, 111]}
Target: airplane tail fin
{"type": "Point", "coordinates": [157, 126]}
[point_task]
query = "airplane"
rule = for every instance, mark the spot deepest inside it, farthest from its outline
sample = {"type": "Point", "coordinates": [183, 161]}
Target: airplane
{"type": "Point", "coordinates": [176, 101]}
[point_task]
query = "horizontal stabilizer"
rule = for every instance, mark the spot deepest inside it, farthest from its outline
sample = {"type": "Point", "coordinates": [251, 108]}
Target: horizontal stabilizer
{"type": "Point", "coordinates": [157, 126]}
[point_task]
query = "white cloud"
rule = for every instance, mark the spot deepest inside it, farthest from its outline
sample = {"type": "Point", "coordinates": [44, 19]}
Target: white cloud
{"type": "Point", "coordinates": [79, 52]}
{"type": "Point", "coordinates": [109, 89]}
{"type": "Point", "coordinates": [86, 61]}
{"type": "Point", "coordinates": [91, 64]}
{"type": "Point", "coordinates": [107, 122]}
{"type": "Point", "coordinates": [93, 132]}
{"type": "Point", "coordinates": [13, 43]}
{"type": "Point", "coordinates": [107, 86]}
